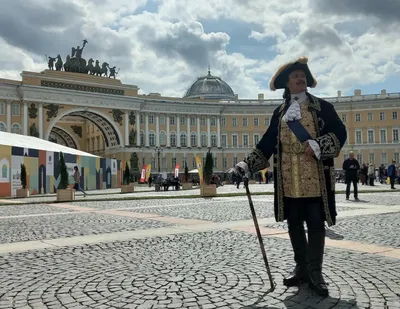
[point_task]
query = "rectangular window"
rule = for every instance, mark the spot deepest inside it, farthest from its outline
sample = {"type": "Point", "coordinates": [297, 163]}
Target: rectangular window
{"type": "Point", "coordinates": [359, 158]}
{"type": "Point", "coordinates": [234, 140]}
{"type": "Point", "coordinates": [162, 120]}
{"type": "Point", "coordinates": [370, 117]}
{"type": "Point", "coordinates": [245, 122]}
{"type": "Point", "coordinates": [255, 122]}
{"type": "Point", "coordinates": [395, 135]}
{"type": "Point", "coordinates": [223, 121]}
{"type": "Point", "coordinates": [394, 115]}
{"type": "Point", "coordinates": [371, 158]}
{"type": "Point", "coordinates": [266, 121]}
{"type": "Point", "coordinates": [382, 115]}
{"type": "Point", "coordinates": [358, 137]}
{"type": "Point", "coordinates": [344, 118]}
{"type": "Point", "coordinates": [370, 136]}
{"type": "Point", "coordinates": [15, 109]}
{"type": "Point", "coordinates": [203, 121]}
{"type": "Point", "coordinates": [223, 140]}
{"type": "Point", "coordinates": [383, 135]}
{"type": "Point", "coordinates": [383, 158]}
{"type": "Point", "coordinates": [151, 119]}
{"type": "Point", "coordinates": [213, 121]}
{"type": "Point", "coordinates": [225, 162]}
{"type": "Point", "coordinates": [2, 108]}
{"type": "Point", "coordinates": [192, 121]}
{"type": "Point", "coordinates": [396, 157]}
{"type": "Point", "coordinates": [172, 120]}
{"type": "Point", "coordinates": [245, 140]}
{"type": "Point", "coordinates": [358, 117]}
{"type": "Point", "coordinates": [256, 139]}
{"type": "Point", "coordinates": [183, 120]}
{"type": "Point", "coordinates": [234, 122]}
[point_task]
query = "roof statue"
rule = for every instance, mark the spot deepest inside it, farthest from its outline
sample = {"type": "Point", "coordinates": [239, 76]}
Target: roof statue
{"type": "Point", "coordinates": [76, 64]}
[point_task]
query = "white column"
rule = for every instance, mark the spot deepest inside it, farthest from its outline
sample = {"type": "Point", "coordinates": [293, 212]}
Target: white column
{"type": "Point", "coordinates": [178, 131]}
{"type": "Point", "coordinates": [147, 129]}
{"type": "Point", "coordinates": [126, 128]}
{"type": "Point", "coordinates": [138, 129]}
{"type": "Point", "coordinates": [25, 125]}
{"type": "Point", "coordinates": [41, 120]}
{"type": "Point", "coordinates": [188, 131]}
{"type": "Point", "coordinates": [208, 132]}
{"type": "Point", "coordinates": [9, 106]}
{"type": "Point", "coordinates": [198, 132]}
{"type": "Point", "coordinates": [219, 132]}
{"type": "Point", "coordinates": [157, 130]}
{"type": "Point", "coordinates": [168, 134]}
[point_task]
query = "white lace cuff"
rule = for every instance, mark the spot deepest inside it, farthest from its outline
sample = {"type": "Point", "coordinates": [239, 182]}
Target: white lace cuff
{"type": "Point", "coordinates": [315, 147]}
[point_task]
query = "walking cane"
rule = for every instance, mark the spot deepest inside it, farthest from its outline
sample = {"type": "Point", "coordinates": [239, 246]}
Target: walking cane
{"type": "Point", "coordinates": [260, 239]}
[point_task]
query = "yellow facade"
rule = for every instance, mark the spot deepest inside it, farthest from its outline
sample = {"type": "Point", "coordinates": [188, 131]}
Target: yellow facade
{"type": "Point", "coordinates": [105, 117]}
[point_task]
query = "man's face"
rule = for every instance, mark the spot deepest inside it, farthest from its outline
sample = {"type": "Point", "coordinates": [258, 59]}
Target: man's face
{"type": "Point", "coordinates": [297, 82]}
{"type": "Point", "coordinates": [351, 155]}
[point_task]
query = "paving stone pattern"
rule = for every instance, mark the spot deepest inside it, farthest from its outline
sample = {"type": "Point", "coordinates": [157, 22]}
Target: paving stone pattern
{"type": "Point", "coordinates": [68, 225]}
{"type": "Point", "coordinates": [19, 210]}
{"type": "Point", "coordinates": [384, 198]}
{"type": "Point", "coordinates": [381, 229]}
{"type": "Point", "coordinates": [197, 270]}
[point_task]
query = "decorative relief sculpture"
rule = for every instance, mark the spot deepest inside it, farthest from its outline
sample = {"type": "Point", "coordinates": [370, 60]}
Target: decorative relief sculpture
{"type": "Point", "coordinates": [117, 115]}
{"type": "Point", "coordinates": [132, 138]}
{"type": "Point", "coordinates": [132, 118]}
{"type": "Point", "coordinates": [77, 130]}
{"type": "Point", "coordinates": [32, 110]}
{"type": "Point", "coordinates": [52, 111]}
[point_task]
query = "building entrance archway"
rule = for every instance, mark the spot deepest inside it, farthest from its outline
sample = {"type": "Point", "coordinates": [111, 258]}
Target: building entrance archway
{"type": "Point", "coordinates": [62, 137]}
{"type": "Point", "coordinates": [112, 135]}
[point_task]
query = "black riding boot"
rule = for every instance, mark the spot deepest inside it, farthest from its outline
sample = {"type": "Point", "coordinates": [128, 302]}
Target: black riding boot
{"type": "Point", "coordinates": [316, 244]}
{"type": "Point", "coordinates": [299, 244]}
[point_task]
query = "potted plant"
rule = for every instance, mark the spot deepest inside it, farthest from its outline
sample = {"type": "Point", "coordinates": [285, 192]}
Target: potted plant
{"type": "Point", "coordinates": [64, 192]}
{"type": "Point", "coordinates": [23, 192]}
{"type": "Point", "coordinates": [208, 189]}
{"type": "Point", "coordinates": [187, 185]}
{"type": "Point", "coordinates": [127, 186]}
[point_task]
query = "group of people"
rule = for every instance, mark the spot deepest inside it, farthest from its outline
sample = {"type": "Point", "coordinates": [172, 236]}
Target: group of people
{"type": "Point", "coordinates": [366, 174]}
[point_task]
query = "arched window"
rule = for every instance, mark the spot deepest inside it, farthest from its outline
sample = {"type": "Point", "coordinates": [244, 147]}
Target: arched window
{"type": "Point", "coordinates": [183, 139]}
{"type": "Point", "coordinates": [4, 172]}
{"type": "Point", "coordinates": [163, 138]}
{"type": "Point", "coordinates": [16, 128]}
{"type": "Point", "coordinates": [213, 139]}
{"type": "Point", "coordinates": [152, 139]}
{"type": "Point", "coordinates": [2, 127]}
{"type": "Point", "coordinates": [173, 139]}
{"type": "Point", "coordinates": [193, 140]}
{"type": "Point", "coordinates": [203, 139]}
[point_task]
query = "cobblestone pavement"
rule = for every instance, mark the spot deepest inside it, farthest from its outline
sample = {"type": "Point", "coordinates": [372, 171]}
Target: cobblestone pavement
{"type": "Point", "coordinates": [68, 225]}
{"type": "Point", "coordinates": [220, 269]}
{"type": "Point", "coordinates": [144, 191]}
{"type": "Point", "coordinates": [190, 253]}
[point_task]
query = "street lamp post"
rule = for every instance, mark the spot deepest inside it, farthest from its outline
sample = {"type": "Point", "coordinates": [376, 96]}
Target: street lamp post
{"type": "Point", "coordinates": [159, 150]}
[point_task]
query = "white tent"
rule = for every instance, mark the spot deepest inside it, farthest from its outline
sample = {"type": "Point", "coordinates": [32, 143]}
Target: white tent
{"type": "Point", "coordinates": [31, 142]}
{"type": "Point", "coordinates": [195, 171]}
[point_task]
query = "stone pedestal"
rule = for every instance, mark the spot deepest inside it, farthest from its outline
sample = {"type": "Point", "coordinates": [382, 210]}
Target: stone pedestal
{"type": "Point", "coordinates": [22, 192]}
{"type": "Point", "coordinates": [128, 188]}
{"type": "Point", "coordinates": [65, 195]}
{"type": "Point", "coordinates": [208, 190]}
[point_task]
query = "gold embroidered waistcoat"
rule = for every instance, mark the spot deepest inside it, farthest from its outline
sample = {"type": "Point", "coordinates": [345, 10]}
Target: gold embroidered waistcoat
{"type": "Point", "coordinates": [299, 171]}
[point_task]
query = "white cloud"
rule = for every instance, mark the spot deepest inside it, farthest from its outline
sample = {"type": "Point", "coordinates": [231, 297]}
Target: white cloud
{"type": "Point", "coordinates": [165, 51]}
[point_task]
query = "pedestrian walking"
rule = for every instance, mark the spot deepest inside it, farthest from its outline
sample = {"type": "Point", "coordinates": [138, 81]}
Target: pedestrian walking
{"type": "Point", "coordinates": [351, 167]}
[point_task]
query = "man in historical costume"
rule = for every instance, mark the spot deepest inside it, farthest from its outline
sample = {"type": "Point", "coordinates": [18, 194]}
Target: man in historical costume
{"type": "Point", "coordinates": [305, 135]}
{"type": "Point", "coordinates": [351, 167]}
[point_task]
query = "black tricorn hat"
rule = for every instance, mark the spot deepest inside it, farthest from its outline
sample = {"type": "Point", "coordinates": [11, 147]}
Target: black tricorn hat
{"type": "Point", "coordinates": [281, 77]}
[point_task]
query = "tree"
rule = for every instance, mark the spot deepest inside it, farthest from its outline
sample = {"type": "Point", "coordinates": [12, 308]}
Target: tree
{"type": "Point", "coordinates": [127, 174]}
{"type": "Point", "coordinates": [186, 173]}
{"type": "Point", "coordinates": [64, 182]}
{"type": "Point", "coordinates": [208, 167]}
{"type": "Point", "coordinates": [23, 176]}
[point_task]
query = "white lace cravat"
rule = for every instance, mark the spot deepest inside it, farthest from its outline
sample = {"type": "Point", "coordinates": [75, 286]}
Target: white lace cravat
{"type": "Point", "coordinates": [294, 113]}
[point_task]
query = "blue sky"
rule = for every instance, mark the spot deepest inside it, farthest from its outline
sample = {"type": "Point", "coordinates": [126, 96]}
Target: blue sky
{"type": "Point", "coordinates": [163, 45]}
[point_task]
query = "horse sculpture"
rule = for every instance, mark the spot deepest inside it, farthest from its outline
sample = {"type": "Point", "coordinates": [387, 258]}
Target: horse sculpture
{"type": "Point", "coordinates": [59, 63]}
